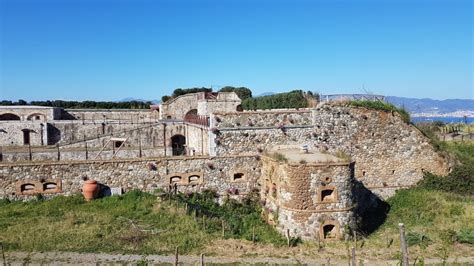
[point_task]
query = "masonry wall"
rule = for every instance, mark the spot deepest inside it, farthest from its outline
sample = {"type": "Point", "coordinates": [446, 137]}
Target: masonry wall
{"type": "Point", "coordinates": [11, 133]}
{"type": "Point", "coordinates": [389, 153]}
{"type": "Point", "coordinates": [27, 113]}
{"type": "Point", "coordinates": [178, 107]}
{"type": "Point", "coordinates": [294, 198]}
{"type": "Point", "coordinates": [102, 115]}
{"type": "Point", "coordinates": [144, 174]}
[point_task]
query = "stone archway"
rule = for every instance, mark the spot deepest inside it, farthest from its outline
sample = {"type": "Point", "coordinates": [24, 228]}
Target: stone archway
{"type": "Point", "coordinates": [178, 143]}
{"type": "Point", "coordinates": [9, 116]}
{"type": "Point", "coordinates": [191, 114]}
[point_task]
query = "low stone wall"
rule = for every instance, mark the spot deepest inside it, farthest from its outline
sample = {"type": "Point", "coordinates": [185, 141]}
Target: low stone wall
{"type": "Point", "coordinates": [102, 115]}
{"type": "Point", "coordinates": [145, 174]}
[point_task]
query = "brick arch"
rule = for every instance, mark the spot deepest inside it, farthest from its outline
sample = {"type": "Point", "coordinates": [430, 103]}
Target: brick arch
{"type": "Point", "coordinates": [9, 117]}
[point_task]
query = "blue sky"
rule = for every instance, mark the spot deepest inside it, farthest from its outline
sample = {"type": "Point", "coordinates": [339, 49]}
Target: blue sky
{"type": "Point", "coordinates": [112, 49]}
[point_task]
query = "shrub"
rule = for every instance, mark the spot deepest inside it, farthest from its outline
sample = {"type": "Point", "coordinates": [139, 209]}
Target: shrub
{"type": "Point", "coordinates": [420, 239]}
{"type": "Point", "coordinates": [466, 236]}
{"type": "Point", "coordinates": [279, 157]}
{"type": "Point", "coordinates": [460, 180]}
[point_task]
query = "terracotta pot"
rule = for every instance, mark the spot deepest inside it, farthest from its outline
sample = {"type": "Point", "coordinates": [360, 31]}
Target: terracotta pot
{"type": "Point", "coordinates": [90, 190]}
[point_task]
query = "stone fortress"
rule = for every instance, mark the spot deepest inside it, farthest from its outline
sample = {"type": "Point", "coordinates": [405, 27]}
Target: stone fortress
{"type": "Point", "coordinates": [313, 167]}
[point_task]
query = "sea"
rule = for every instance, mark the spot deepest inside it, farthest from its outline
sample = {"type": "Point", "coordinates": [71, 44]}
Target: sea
{"type": "Point", "coordinates": [446, 120]}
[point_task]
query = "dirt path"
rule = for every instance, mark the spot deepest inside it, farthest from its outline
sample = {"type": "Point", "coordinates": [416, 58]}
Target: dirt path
{"type": "Point", "coordinates": [74, 258]}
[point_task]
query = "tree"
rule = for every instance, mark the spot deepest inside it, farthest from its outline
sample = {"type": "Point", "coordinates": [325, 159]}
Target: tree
{"type": "Point", "coordinates": [242, 92]}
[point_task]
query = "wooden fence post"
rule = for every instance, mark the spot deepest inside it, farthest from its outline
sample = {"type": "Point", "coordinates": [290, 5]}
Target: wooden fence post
{"type": "Point", "coordinates": [288, 237]}
{"type": "Point", "coordinates": [176, 259]}
{"type": "Point", "coordinates": [3, 255]}
{"type": "Point", "coordinates": [223, 228]}
{"type": "Point", "coordinates": [353, 257]}
{"type": "Point", "coordinates": [253, 234]}
{"type": "Point", "coordinates": [403, 245]}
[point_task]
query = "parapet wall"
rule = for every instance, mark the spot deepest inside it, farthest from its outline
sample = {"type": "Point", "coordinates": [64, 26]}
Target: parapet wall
{"type": "Point", "coordinates": [192, 174]}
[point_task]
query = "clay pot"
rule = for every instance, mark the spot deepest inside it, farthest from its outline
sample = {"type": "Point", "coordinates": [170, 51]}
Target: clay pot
{"type": "Point", "coordinates": [90, 190]}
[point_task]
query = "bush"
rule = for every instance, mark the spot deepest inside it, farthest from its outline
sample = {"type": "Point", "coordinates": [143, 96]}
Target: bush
{"type": "Point", "coordinates": [460, 180]}
{"type": "Point", "coordinates": [420, 239]}
{"type": "Point", "coordinates": [383, 106]}
{"type": "Point", "coordinates": [466, 236]}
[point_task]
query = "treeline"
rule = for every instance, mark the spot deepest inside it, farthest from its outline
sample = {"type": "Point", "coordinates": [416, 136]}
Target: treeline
{"type": "Point", "coordinates": [83, 104]}
{"type": "Point", "coordinates": [292, 99]}
{"type": "Point", "coordinates": [179, 91]}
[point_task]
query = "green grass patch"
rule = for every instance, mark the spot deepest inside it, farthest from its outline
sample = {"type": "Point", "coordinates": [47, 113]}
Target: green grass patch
{"type": "Point", "coordinates": [131, 224]}
{"type": "Point", "coordinates": [136, 222]}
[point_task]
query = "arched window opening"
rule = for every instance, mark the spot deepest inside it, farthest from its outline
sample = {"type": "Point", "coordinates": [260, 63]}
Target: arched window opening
{"type": "Point", "coordinates": [175, 179]}
{"type": "Point", "coordinates": [329, 231]}
{"type": "Point", "coordinates": [35, 117]}
{"type": "Point", "coordinates": [9, 116]}
{"type": "Point", "coordinates": [49, 186]}
{"type": "Point", "coordinates": [27, 187]}
{"type": "Point", "coordinates": [194, 178]}
{"type": "Point", "coordinates": [191, 114]}
{"type": "Point", "coordinates": [239, 108]}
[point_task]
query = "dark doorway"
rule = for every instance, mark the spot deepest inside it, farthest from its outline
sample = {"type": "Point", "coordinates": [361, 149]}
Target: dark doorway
{"type": "Point", "coordinates": [26, 136]}
{"type": "Point", "coordinates": [178, 143]}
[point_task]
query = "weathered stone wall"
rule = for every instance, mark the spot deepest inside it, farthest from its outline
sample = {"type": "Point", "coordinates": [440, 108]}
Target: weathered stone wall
{"type": "Point", "coordinates": [151, 138]}
{"type": "Point", "coordinates": [178, 107]}
{"type": "Point", "coordinates": [263, 118]}
{"type": "Point", "coordinates": [11, 133]}
{"type": "Point", "coordinates": [102, 115]}
{"type": "Point", "coordinates": [31, 113]}
{"type": "Point", "coordinates": [145, 174]}
{"type": "Point", "coordinates": [389, 153]}
{"type": "Point", "coordinates": [296, 197]}
{"type": "Point", "coordinates": [197, 139]}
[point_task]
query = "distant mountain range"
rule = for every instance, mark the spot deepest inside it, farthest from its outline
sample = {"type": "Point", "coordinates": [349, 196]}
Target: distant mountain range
{"type": "Point", "coordinates": [426, 106]}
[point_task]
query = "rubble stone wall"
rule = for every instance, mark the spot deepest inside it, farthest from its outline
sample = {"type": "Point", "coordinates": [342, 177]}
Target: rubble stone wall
{"type": "Point", "coordinates": [304, 197]}
{"type": "Point", "coordinates": [389, 153]}
{"type": "Point", "coordinates": [145, 174]}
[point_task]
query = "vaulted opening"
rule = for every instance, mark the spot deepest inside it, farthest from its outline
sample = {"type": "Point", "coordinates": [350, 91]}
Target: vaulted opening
{"type": "Point", "coordinates": [35, 117]}
{"type": "Point", "coordinates": [27, 187]}
{"type": "Point", "coordinates": [9, 116]}
{"type": "Point", "coordinates": [175, 179]}
{"type": "Point", "coordinates": [49, 186]}
{"type": "Point", "coordinates": [194, 178]}
{"type": "Point", "coordinates": [329, 231]}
